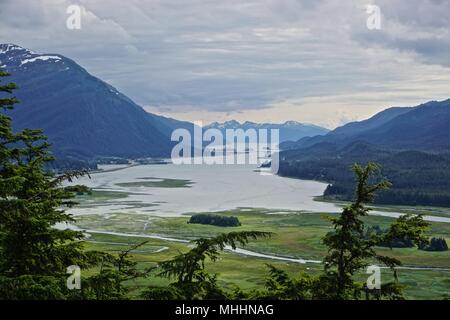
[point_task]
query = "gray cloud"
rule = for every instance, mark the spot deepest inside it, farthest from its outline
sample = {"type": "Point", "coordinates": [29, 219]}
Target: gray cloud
{"type": "Point", "coordinates": [234, 56]}
{"type": "Point", "coordinates": [416, 26]}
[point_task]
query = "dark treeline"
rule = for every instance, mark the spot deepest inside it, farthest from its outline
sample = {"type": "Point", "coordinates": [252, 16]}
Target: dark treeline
{"type": "Point", "coordinates": [215, 220]}
{"type": "Point", "coordinates": [393, 243]}
{"type": "Point", "coordinates": [79, 189]}
{"type": "Point", "coordinates": [417, 178]}
{"type": "Point", "coordinates": [436, 244]}
{"type": "Point", "coordinates": [64, 165]}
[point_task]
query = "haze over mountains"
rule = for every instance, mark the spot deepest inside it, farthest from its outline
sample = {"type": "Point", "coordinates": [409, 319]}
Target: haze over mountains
{"type": "Point", "coordinates": [425, 127]}
{"type": "Point", "coordinates": [86, 118]}
{"type": "Point", "coordinates": [289, 131]}
{"type": "Point", "coordinates": [412, 145]}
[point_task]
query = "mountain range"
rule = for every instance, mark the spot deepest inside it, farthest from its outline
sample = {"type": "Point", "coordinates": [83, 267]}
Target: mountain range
{"type": "Point", "coordinates": [425, 127]}
{"type": "Point", "coordinates": [289, 131]}
{"type": "Point", "coordinates": [86, 118]}
{"type": "Point", "coordinates": [83, 116]}
{"type": "Point", "coordinates": [411, 143]}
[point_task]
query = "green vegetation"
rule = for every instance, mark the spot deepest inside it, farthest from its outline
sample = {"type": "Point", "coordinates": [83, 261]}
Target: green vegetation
{"type": "Point", "coordinates": [64, 165]}
{"type": "Point", "coordinates": [436, 244]}
{"type": "Point", "coordinates": [34, 254]}
{"type": "Point", "coordinates": [349, 251]}
{"type": "Point", "coordinates": [79, 190]}
{"type": "Point", "coordinates": [188, 269]}
{"type": "Point", "coordinates": [103, 195]}
{"type": "Point", "coordinates": [250, 273]}
{"type": "Point", "coordinates": [98, 198]}
{"type": "Point", "coordinates": [417, 178]}
{"type": "Point", "coordinates": [215, 220]}
{"type": "Point", "coordinates": [392, 243]}
{"type": "Point", "coordinates": [158, 183]}
{"type": "Point", "coordinates": [296, 234]}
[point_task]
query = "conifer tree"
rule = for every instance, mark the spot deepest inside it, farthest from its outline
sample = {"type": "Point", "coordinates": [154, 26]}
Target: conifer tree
{"type": "Point", "coordinates": [349, 251]}
{"type": "Point", "coordinates": [192, 280]}
{"type": "Point", "coordinates": [34, 254]}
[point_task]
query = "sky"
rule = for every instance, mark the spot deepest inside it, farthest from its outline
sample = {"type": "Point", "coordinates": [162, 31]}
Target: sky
{"type": "Point", "coordinates": [257, 60]}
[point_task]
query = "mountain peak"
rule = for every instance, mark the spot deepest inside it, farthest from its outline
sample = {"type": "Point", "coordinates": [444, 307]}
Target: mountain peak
{"type": "Point", "coordinates": [7, 47]}
{"type": "Point", "coordinates": [290, 130]}
{"type": "Point", "coordinates": [14, 49]}
{"type": "Point", "coordinates": [12, 55]}
{"type": "Point", "coordinates": [85, 118]}
{"type": "Point", "coordinates": [293, 123]}
{"type": "Point", "coordinates": [232, 123]}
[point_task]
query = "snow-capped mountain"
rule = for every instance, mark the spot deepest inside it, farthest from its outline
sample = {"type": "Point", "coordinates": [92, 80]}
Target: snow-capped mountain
{"type": "Point", "coordinates": [289, 131]}
{"type": "Point", "coordinates": [83, 116]}
{"type": "Point", "coordinates": [14, 55]}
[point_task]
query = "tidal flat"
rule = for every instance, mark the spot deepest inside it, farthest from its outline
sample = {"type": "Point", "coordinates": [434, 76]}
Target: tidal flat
{"type": "Point", "coordinates": [118, 214]}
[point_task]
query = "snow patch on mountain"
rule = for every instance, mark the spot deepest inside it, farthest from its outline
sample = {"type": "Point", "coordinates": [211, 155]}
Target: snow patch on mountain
{"type": "Point", "coordinates": [43, 58]}
{"type": "Point", "coordinates": [290, 130]}
{"type": "Point", "coordinates": [7, 47]}
{"type": "Point", "coordinates": [14, 56]}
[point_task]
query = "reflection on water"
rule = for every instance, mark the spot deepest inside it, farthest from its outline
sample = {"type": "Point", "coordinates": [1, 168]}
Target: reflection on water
{"type": "Point", "coordinates": [213, 188]}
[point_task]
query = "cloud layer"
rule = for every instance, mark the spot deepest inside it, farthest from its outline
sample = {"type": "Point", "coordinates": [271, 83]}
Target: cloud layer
{"type": "Point", "coordinates": [271, 60]}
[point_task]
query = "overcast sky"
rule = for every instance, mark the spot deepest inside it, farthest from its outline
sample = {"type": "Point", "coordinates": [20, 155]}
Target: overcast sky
{"type": "Point", "coordinates": [259, 60]}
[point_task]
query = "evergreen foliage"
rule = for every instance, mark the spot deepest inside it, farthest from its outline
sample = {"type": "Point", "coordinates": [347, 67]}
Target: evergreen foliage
{"type": "Point", "coordinates": [215, 220]}
{"type": "Point", "coordinates": [188, 269]}
{"type": "Point", "coordinates": [34, 252]}
{"type": "Point", "coordinates": [436, 244]}
{"type": "Point", "coordinates": [418, 178]}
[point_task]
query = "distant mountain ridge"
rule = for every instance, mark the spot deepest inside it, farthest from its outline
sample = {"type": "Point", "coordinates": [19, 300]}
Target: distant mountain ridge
{"type": "Point", "coordinates": [412, 144]}
{"type": "Point", "coordinates": [83, 116]}
{"type": "Point", "coordinates": [425, 127]}
{"type": "Point", "coordinates": [86, 118]}
{"type": "Point", "coordinates": [289, 130]}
